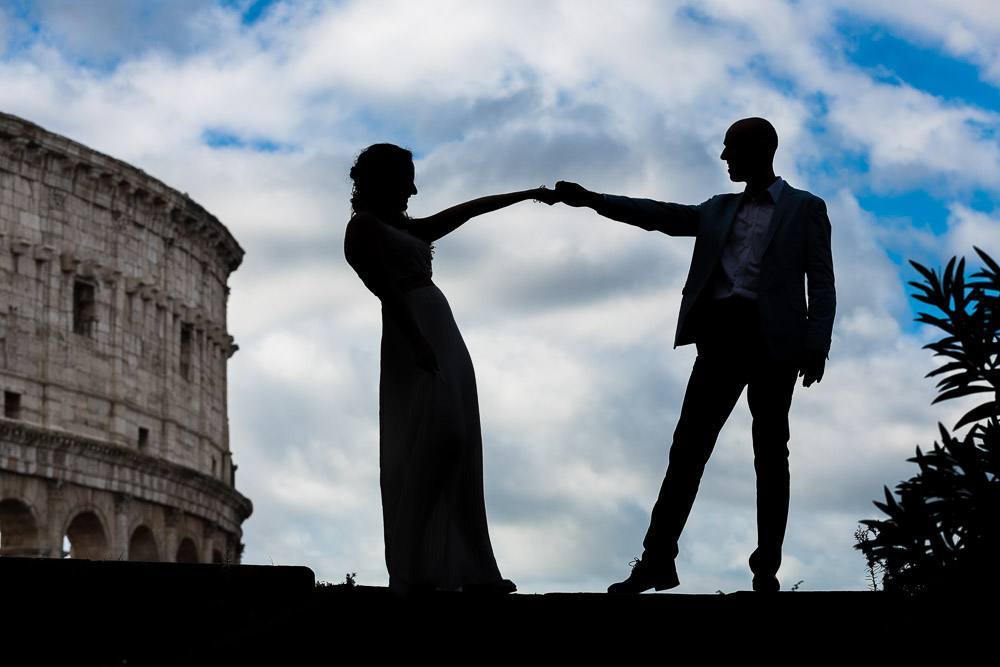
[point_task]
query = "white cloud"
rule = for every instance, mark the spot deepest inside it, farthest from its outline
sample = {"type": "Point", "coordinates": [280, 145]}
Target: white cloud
{"type": "Point", "coordinates": [569, 317]}
{"type": "Point", "coordinates": [911, 137]}
{"type": "Point", "coordinates": [967, 228]}
{"type": "Point", "coordinates": [966, 29]}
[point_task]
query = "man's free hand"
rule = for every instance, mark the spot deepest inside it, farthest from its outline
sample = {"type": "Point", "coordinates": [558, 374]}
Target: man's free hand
{"type": "Point", "coordinates": [812, 366]}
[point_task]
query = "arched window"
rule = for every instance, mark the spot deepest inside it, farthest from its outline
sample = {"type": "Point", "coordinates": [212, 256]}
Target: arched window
{"type": "Point", "coordinates": [86, 537]}
{"type": "Point", "coordinates": [142, 546]}
{"type": "Point", "coordinates": [18, 531]}
{"type": "Point", "coordinates": [187, 552]}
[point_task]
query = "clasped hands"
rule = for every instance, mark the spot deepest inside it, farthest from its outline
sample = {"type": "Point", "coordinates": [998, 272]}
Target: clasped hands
{"type": "Point", "coordinates": [571, 194]}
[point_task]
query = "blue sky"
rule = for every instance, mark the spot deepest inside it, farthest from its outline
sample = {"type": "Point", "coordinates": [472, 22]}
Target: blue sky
{"type": "Point", "coordinates": [257, 109]}
{"type": "Point", "coordinates": [909, 61]}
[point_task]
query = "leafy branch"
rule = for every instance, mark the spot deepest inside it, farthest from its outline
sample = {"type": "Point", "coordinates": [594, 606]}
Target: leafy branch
{"type": "Point", "coordinates": [943, 530]}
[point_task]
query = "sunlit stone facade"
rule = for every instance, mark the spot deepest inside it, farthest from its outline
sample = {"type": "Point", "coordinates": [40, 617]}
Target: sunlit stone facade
{"type": "Point", "coordinates": [113, 351]}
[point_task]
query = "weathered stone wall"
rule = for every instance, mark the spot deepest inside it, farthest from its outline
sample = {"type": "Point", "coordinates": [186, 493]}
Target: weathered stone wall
{"type": "Point", "coordinates": [113, 337]}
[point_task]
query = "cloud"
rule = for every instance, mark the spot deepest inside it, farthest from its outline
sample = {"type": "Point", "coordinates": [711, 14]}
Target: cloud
{"type": "Point", "coordinates": [963, 29]}
{"type": "Point", "coordinates": [569, 317]}
{"type": "Point", "coordinates": [103, 32]}
{"type": "Point", "coordinates": [967, 228]}
{"type": "Point", "coordinates": [911, 138]}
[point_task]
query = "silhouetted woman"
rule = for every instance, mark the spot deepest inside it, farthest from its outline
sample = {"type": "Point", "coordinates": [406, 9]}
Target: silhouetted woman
{"type": "Point", "coordinates": [431, 450]}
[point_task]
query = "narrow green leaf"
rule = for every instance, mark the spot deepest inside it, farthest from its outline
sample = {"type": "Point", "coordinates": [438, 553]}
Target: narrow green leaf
{"type": "Point", "coordinates": [961, 391]}
{"type": "Point", "coordinates": [984, 411]}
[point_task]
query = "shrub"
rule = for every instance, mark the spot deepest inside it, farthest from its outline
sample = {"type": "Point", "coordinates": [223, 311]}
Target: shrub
{"type": "Point", "coordinates": [944, 531]}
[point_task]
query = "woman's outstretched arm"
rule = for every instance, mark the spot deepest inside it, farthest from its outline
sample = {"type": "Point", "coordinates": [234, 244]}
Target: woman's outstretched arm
{"type": "Point", "coordinates": [432, 228]}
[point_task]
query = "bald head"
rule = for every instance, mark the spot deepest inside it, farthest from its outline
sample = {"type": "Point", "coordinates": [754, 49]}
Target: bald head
{"type": "Point", "coordinates": [756, 132]}
{"type": "Point", "coordinates": [749, 150]}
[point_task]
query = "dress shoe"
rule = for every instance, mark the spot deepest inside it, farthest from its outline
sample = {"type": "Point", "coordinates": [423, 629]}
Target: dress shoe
{"type": "Point", "coordinates": [766, 583]}
{"type": "Point", "coordinates": [645, 576]}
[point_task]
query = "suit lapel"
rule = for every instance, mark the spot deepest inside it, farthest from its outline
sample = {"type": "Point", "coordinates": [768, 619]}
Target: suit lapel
{"type": "Point", "coordinates": [778, 217]}
{"type": "Point", "coordinates": [727, 218]}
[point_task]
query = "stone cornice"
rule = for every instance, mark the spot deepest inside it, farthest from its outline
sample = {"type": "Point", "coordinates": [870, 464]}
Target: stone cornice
{"type": "Point", "coordinates": [65, 164]}
{"type": "Point", "coordinates": [33, 450]}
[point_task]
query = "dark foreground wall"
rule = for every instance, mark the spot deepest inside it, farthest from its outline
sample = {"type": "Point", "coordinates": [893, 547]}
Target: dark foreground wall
{"type": "Point", "coordinates": [118, 613]}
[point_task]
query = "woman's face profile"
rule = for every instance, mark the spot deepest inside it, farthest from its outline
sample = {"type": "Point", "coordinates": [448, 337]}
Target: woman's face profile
{"type": "Point", "coordinates": [398, 186]}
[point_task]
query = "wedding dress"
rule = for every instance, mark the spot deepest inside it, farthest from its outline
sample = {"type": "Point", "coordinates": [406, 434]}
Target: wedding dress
{"type": "Point", "coordinates": [431, 450]}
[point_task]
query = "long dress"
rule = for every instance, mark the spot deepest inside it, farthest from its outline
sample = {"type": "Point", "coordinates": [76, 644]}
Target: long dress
{"type": "Point", "coordinates": [431, 449]}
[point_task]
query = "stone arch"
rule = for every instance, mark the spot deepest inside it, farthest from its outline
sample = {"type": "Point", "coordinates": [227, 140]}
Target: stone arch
{"type": "Point", "coordinates": [187, 552]}
{"type": "Point", "coordinates": [18, 529]}
{"type": "Point", "coordinates": [217, 556]}
{"type": "Point", "coordinates": [87, 536]}
{"type": "Point", "coordinates": [142, 546]}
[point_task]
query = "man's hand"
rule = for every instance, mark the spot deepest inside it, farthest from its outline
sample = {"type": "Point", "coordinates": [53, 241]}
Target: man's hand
{"type": "Point", "coordinates": [573, 194]}
{"type": "Point", "coordinates": [545, 196]}
{"type": "Point", "coordinates": [812, 366]}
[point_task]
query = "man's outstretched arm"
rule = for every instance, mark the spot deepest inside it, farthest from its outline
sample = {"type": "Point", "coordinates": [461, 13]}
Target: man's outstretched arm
{"type": "Point", "coordinates": [648, 214]}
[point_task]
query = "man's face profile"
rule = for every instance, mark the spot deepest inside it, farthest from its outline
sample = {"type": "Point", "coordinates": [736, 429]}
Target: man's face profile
{"type": "Point", "coordinates": [738, 152]}
{"type": "Point", "coordinates": [748, 148]}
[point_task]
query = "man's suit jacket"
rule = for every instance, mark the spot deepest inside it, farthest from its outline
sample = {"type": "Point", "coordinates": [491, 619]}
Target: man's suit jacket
{"type": "Point", "coordinates": [796, 251]}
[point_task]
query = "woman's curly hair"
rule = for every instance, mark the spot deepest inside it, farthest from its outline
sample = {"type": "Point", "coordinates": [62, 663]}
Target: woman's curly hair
{"type": "Point", "coordinates": [370, 170]}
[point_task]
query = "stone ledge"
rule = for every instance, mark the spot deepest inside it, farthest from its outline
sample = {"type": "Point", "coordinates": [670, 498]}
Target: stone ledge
{"type": "Point", "coordinates": [171, 614]}
{"type": "Point", "coordinates": [96, 580]}
{"type": "Point", "coordinates": [98, 464]}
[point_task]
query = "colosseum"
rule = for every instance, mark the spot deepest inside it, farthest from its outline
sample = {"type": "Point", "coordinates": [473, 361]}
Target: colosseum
{"type": "Point", "coordinates": [114, 440]}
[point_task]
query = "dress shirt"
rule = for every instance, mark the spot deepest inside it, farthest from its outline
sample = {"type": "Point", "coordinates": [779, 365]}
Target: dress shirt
{"type": "Point", "coordinates": [739, 264]}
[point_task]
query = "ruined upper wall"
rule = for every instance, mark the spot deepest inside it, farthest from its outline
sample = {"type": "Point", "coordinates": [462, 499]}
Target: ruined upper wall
{"type": "Point", "coordinates": [114, 293]}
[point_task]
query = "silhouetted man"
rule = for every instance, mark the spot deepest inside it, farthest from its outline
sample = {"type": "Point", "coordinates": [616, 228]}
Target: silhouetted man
{"type": "Point", "coordinates": [744, 305]}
